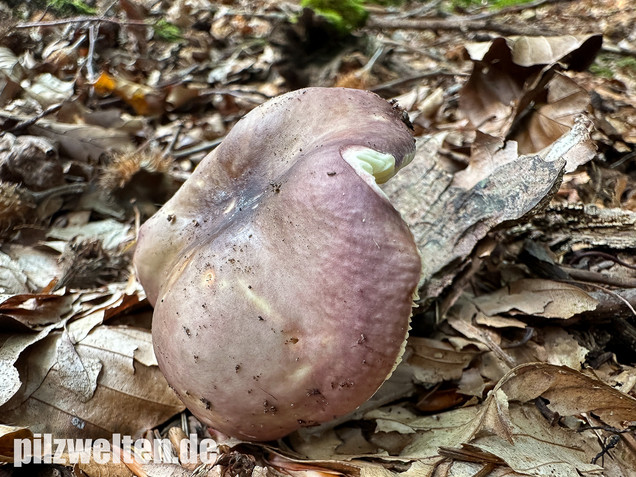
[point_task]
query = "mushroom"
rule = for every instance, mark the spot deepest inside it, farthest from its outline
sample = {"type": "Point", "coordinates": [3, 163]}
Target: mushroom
{"type": "Point", "coordinates": [282, 279]}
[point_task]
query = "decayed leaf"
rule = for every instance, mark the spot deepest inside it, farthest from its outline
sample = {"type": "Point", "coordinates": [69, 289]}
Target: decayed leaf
{"type": "Point", "coordinates": [34, 311]}
{"type": "Point", "coordinates": [497, 189]}
{"type": "Point", "coordinates": [109, 232]}
{"type": "Point", "coordinates": [553, 114]}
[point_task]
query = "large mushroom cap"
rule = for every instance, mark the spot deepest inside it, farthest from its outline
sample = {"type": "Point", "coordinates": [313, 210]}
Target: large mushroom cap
{"type": "Point", "coordinates": [282, 277]}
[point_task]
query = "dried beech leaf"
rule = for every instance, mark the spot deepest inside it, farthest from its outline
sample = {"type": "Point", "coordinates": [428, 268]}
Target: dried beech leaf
{"type": "Point", "coordinates": [434, 361]}
{"type": "Point", "coordinates": [552, 116]}
{"type": "Point", "coordinates": [569, 393]}
{"type": "Point", "coordinates": [48, 90]}
{"type": "Point", "coordinates": [537, 297]}
{"type": "Point", "coordinates": [11, 349]}
{"type": "Point", "coordinates": [509, 427]}
{"type": "Point", "coordinates": [34, 311]}
{"type": "Point", "coordinates": [110, 232]}
{"type": "Point", "coordinates": [12, 279]}
{"type": "Point", "coordinates": [512, 74]}
{"type": "Point", "coordinates": [542, 50]}
{"type": "Point", "coordinates": [128, 397]}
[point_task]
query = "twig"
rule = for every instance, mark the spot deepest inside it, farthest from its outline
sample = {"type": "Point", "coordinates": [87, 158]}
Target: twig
{"type": "Point", "coordinates": [595, 277]}
{"type": "Point", "coordinates": [82, 19]}
{"type": "Point", "coordinates": [605, 290]}
{"type": "Point", "coordinates": [174, 140]}
{"type": "Point", "coordinates": [609, 256]}
{"type": "Point", "coordinates": [455, 23]}
{"type": "Point", "coordinates": [409, 79]}
{"type": "Point", "coordinates": [203, 147]}
{"type": "Point", "coordinates": [92, 35]}
{"type": "Point", "coordinates": [515, 9]}
{"type": "Point", "coordinates": [31, 121]}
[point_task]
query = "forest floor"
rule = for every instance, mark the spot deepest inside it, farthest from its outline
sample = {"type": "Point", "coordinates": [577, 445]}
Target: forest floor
{"type": "Point", "coordinates": [522, 355]}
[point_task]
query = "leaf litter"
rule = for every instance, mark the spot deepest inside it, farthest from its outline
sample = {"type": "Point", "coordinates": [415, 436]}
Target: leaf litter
{"type": "Point", "coordinates": [521, 196]}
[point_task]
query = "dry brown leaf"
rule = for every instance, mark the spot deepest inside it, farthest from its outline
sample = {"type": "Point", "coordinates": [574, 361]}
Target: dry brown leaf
{"type": "Point", "coordinates": [434, 361]}
{"type": "Point", "coordinates": [509, 426]}
{"type": "Point", "coordinates": [83, 142]}
{"type": "Point", "coordinates": [511, 73]}
{"type": "Point", "coordinates": [569, 393]}
{"type": "Point", "coordinates": [537, 297]}
{"type": "Point", "coordinates": [553, 114]}
{"type": "Point", "coordinates": [107, 383]}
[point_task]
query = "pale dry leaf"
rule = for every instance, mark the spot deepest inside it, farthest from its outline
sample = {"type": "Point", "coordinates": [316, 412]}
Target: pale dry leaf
{"type": "Point", "coordinates": [48, 90]}
{"type": "Point", "coordinates": [569, 392]}
{"type": "Point", "coordinates": [539, 449]}
{"type": "Point", "coordinates": [508, 424]}
{"type": "Point", "coordinates": [10, 351]}
{"type": "Point", "coordinates": [434, 361]}
{"type": "Point", "coordinates": [78, 375]}
{"type": "Point", "coordinates": [471, 383]}
{"type": "Point", "coordinates": [39, 264]}
{"type": "Point", "coordinates": [83, 142]}
{"type": "Point", "coordinates": [509, 74]}
{"type": "Point", "coordinates": [12, 279]}
{"type": "Point", "coordinates": [537, 297]}
{"type": "Point", "coordinates": [562, 349]}
{"type": "Point", "coordinates": [110, 232]}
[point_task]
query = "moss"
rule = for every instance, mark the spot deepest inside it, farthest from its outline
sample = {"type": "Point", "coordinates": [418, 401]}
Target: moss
{"type": "Point", "coordinates": [601, 70]}
{"type": "Point", "coordinates": [167, 31]}
{"type": "Point", "coordinates": [628, 63]}
{"type": "Point", "coordinates": [345, 15]}
{"type": "Point", "coordinates": [71, 7]}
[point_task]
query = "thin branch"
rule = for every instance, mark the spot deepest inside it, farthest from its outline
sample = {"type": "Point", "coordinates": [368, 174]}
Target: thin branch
{"type": "Point", "coordinates": [31, 121]}
{"type": "Point", "coordinates": [82, 19]}
{"type": "Point", "coordinates": [515, 9]}
{"type": "Point", "coordinates": [456, 23]}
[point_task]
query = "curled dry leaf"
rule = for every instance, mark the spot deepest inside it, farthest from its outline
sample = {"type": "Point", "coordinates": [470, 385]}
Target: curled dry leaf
{"type": "Point", "coordinates": [514, 78]}
{"type": "Point", "coordinates": [96, 387]}
{"type": "Point", "coordinates": [434, 361]}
